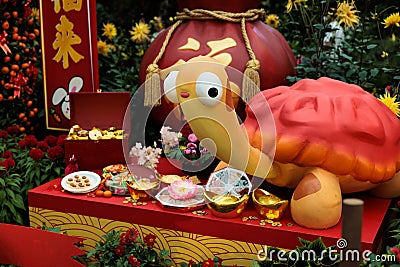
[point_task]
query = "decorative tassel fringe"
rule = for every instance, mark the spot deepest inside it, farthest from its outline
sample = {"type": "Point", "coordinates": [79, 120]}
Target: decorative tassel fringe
{"type": "Point", "coordinates": [251, 80]}
{"type": "Point", "coordinates": [152, 86]}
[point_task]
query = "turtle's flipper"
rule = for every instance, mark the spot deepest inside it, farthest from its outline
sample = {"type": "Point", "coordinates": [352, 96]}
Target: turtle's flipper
{"type": "Point", "coordinates": [317, 200]}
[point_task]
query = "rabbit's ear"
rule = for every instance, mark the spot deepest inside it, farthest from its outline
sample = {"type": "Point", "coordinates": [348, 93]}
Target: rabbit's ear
{"type": "Point", "coordinates": [59, 96]}
{"type": "Point", "coordinates": [75, 84]}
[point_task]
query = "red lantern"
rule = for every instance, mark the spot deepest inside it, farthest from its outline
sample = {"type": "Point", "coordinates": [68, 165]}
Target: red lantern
{"type": "Point", "coordinates": [217, 29]}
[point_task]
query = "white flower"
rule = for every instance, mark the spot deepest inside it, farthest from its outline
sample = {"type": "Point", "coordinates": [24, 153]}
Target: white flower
{"type": "Point", "coordinates": [169, 138]}
{"type": "Point", "coordinates": [146, 156]}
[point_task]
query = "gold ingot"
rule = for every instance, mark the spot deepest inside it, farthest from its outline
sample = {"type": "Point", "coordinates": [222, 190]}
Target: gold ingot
{"type": "Point", "coordinates": [268, 205]}
{"type": "Point", "coordinates": [226, 205]}
{"type": "Point", "coordinates": [142, 191]}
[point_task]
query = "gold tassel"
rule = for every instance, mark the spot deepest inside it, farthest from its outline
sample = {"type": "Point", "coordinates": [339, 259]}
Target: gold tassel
{"type": "Point", "coordinates": [152, 86]}
{"type": "Point", "coordinates": [251, 80]}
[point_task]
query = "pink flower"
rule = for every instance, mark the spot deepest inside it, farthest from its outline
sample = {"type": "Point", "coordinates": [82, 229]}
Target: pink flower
{"type": "Point", "coordinates": [192, 138]}
{"type": "Point", "coordinates": [42, 145]}
{"type": "Point", "coordinates": [192, 146]}
{"type": "Point", "coordinates": [36, 154]}
{"type": "Point", "coordinates": [204, 150]}
{"type": "Point", "coordinates": [182, 189]}
{"type": "Point", "coordinates": [55, 152]}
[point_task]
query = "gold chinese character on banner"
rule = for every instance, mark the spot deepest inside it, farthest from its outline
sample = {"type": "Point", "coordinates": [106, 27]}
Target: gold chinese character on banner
{"type": "Point", "coordinates": [65, 39]}
{"type": "Point", "coordinates": [57, 5]}
{"type": "Point", "coordinates": [67, 5]}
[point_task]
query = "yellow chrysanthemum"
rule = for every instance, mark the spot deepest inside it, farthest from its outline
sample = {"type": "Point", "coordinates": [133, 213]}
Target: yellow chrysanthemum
{"type": "Point", "coordinates": [346, 14]}
{"type": "Point", "coordinates": [272, 20]}
{"type": "Point", "coordinates": [35, 13]}
{"type": "Point", "coordinates": [109, 31]}
{"type": "Point", "coordinates": [384, 54]}
{"type": "Point", "coordinates": [391, 103]}
{"type": "Point", "coordinates": [102, 48]}
{"type": "Point", "coordinates": [393, 19]}
{"type": "Point", "coordinates": [393, 37]}
{"type": "Point", "coordinates": [293, 3]}
{"type": "Point", "coordinates": [140, 32]}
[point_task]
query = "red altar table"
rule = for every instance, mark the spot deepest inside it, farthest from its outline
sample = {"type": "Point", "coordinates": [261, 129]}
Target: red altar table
{"type": "Point", "coordinates": [187, 235]}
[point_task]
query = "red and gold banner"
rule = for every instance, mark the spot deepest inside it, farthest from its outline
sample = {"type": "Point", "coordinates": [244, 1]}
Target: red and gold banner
{"type": "Point", "coordinates": [69, 52]}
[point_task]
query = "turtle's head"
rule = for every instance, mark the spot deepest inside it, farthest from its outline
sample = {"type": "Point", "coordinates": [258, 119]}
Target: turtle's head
{"type": "Point", "coordinates": [202, 88]}
{"type": "Point", "coordinates": [202, 81]}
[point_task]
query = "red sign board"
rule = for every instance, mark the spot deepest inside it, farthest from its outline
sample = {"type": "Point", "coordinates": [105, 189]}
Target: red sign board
{"type": "Point", "coordinates": [69, 51]}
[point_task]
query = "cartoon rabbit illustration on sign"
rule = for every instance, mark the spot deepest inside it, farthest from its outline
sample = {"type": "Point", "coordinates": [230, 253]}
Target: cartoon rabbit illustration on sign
{"type": "Point", "coordinates": [61, 96]}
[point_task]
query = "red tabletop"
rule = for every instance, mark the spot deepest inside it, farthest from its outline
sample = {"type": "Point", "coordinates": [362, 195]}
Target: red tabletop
{"type": "Point", "coordinates": [49, 196]}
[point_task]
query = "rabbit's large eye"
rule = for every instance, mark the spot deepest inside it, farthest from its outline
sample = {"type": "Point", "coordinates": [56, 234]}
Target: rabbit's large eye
{"type": "Point", "coordinates": [209, 88]}
{"type": "Point", "coordinates": [170, 87]}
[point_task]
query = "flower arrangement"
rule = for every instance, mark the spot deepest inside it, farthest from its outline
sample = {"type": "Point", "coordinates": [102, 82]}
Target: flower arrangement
{"type": "Point", "coordinates": [184, 146]}
{"type": "Point", "coordinates": [122, 249]}
{"type": "Point", "coordinates": [349, 40]}
{"type": "Point", "coordinates": [25, 163]}
{"type": "Point", "coordinates": [120, 51]}
{"type": "Point", "coordinates": [146, 156]}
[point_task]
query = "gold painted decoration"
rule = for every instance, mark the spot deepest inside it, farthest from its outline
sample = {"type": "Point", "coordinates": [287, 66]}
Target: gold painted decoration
{"type": "Point", "coordinates": [182, 246]}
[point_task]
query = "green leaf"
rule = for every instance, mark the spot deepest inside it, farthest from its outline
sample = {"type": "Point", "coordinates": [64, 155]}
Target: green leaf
{"type": "Point", "coordinates": [318, 26]}
{"type": "Point", "coordinates": [371, 46]}
{"type": "Point", "coordinates": [374, 72]}
{"type": "Point", "coordinates": [304, 242]}
{"type": "Point", "coordinates": [317, 245]}
{"type": "Point", "coordinates": [362, 75]}
{"type": "Point", "coordinates": [10, 207]}
{"type": "Point", "coordinates": [10, 193]}
{"type": "Point", "coordinates": [2, 182]}
{"type": "Point", "coordinates": [164, 253]}
{"type": "Point", "coordinates": [2, 195]}
{"type": "Point", "coordinates": [18, 202]}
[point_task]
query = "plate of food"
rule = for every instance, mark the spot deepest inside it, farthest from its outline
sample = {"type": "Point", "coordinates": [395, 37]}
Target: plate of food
{"type": "Point", "coordinates": [115, 168]}
{"type": "Point", "coordinates": [81, 182]}
{"type": "Point", "coordinates": [116, 183]}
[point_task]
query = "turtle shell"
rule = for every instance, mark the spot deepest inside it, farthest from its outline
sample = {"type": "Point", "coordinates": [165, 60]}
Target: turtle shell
{"type": "Point", "coordinates": [333, 125]}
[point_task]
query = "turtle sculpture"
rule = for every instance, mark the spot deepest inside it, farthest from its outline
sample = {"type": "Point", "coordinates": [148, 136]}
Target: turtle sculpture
{"type": "Point", "coordinates": [331, 137]}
